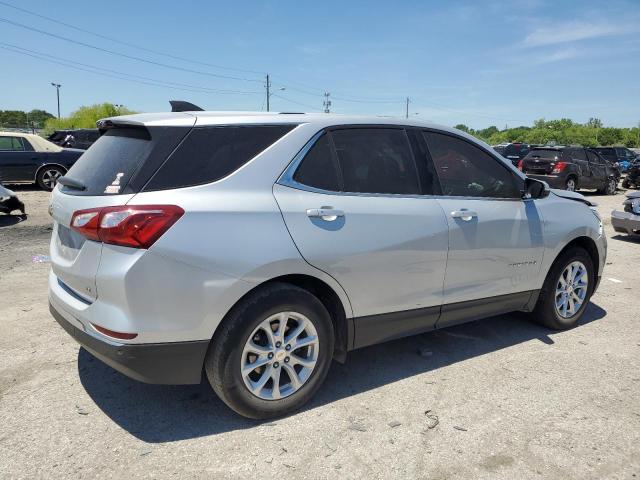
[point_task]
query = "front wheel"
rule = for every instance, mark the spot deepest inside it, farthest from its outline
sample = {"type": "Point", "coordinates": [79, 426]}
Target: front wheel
{"type": "Point", "coordinates": [610, 187]}
{"type": "Point", "coordinates": [272, 353]}
{"type": "Point", "coordinates": [566, 290]}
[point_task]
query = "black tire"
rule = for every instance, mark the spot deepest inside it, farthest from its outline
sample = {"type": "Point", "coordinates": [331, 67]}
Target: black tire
{"type": "Point", "coordinates": [223, 360]}
{"type": "Point", "coordinates": [567, 183]}
{"type": "Point", "coordinates": [545, 312]}
{"type": "Point", "coordinates": [609, 187]}
{"type": "Point", "coordinates": [625, 183]}
{"type": "Point", "coordinates": [47, 176]}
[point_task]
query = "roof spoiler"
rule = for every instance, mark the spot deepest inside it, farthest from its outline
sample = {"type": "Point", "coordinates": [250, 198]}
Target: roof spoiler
{"type": "Point", "coordinates": [182, 106]}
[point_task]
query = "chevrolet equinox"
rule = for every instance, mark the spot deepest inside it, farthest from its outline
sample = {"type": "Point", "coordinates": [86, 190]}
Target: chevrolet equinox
{"type": "Point", "coordinates": [257, 247]}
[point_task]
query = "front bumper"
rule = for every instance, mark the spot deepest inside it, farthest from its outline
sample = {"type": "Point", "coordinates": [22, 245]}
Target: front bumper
{"type": "Point", "coordinates": [625, 222]}
{"type": "Point", "coordinates": [160, 363]}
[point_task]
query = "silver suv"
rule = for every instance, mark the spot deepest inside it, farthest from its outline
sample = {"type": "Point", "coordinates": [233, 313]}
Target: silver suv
{"type": "Point", "coordinates": [259, 247]}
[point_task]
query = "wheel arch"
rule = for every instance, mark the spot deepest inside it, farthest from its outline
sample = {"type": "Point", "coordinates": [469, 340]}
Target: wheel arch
{"type": "Point", "coordinates": [342, 325]}
{"type": "Point", "coordinates": [48, 164]}
{"type": "Point", "coordinates": [586, 243]}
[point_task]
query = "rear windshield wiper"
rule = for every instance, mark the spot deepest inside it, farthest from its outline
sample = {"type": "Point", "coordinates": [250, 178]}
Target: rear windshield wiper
{"type": "Point", "coordinates": [71, 183]}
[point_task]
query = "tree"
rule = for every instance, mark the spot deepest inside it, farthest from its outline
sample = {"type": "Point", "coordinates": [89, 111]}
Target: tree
{"type": "Point", "coordinates": [463, 127]}
{"type": "Point", "coordinates": [594, 123]}
{"type": "Point", "coordinates": [86, 117]}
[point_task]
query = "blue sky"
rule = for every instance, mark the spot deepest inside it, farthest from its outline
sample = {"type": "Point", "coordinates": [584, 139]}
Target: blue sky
{"type": "Point", "coordinates": [475, 62]}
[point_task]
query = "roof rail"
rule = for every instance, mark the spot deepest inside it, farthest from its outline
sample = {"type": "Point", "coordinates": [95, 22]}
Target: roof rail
{"type": "Point", "coordinates": [182, 106]}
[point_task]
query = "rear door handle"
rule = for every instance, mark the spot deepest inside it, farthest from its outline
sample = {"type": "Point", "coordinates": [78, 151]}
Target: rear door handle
{"type": "Point", "coordinates": [327, 214]}
{"type": "Point", "coordinates": [463, 214]}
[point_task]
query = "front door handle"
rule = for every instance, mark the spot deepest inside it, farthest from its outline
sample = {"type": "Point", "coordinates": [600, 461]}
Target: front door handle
{"type": "Point", "coordinates": [327, 214]}
{"type": "Point", "coordinates": [464, 214]}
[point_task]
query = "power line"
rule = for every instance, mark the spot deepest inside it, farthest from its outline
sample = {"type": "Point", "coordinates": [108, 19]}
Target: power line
{"type": "Point", "coordinates": [112, 39]}
{"type": "Point", "coordinates": [124, 55]}
{"type": "Point", "coordinates": [118, 75]}
{"type": "Point", "coordinates": [294, 101]}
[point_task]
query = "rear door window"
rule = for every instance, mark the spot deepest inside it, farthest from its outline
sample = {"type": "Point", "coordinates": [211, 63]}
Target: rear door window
{"type": "Point", "coordinates": [376, 160]}
{"type": "Point", "coordinates": [211, 153]}
{"type": "Point", "coordinates": [11, 144]}
{"type": "Point", "coordinates": [318, 168]}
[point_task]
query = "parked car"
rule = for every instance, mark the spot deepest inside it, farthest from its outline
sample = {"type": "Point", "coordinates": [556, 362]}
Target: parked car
{"type": "Point", "coordinates": [620, 155]}
{"type": "Point", "coordinates": [632, 180]}
{"type": "Point", "coordinates": [257, 247]}
{"type": "Point", "coordinates": [571, 168]}
{"type": "Point", "coordinates": [628, 220]}
{"type": "Point", "coordinates": [9, 201]}
{"type": "Point", "coordinates": [29, 158]}
{"type": "Point", "coordinates": [513, 151]}
{"type": "Point", "coordinates": [81, 138]}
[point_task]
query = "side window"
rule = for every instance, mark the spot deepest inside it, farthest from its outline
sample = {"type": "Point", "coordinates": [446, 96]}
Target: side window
{"type": "Point", "coordinates": [467, 171]}
{"type": "Point", "coordinates": [593, 158]}
{"type": "Point", "coordinates": [11, 144]}
{"type": "Point", "coordinates": [318, 168]}
{"type": "Point", "coordinates": [578, 154]}
{"type": "Point", "coordinates": [376, 160]}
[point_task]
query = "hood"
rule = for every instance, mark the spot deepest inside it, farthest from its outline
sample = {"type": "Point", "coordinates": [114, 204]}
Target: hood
{"type": "Point", "coordinates": [633, 195]}
{"type": "Point", "coordinates": [573, 196]}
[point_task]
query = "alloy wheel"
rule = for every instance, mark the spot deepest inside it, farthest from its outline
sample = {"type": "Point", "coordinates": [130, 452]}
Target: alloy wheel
{"type": "Point", "coordinates": [279, 356]}
{"type": "Point", "coordinates": [50, 177]}
{"type": "Point", "coordinates": [571, 289]}
{"type": "Point", "coordinates": [571, 185]}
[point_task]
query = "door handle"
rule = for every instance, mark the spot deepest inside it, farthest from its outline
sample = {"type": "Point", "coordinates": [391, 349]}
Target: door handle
{"type": "Point", "coordinates": [327, 214]}
{"type": "Point", "coordinates": [464, 214]}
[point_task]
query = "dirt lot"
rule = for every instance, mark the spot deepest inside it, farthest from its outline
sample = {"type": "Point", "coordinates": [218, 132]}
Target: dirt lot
{"type": "Point", "coordinates": [501, 398]}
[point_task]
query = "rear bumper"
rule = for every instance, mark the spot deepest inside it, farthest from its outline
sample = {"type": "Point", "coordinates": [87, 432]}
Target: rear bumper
{"type": "Point", "coordinates": [160, 363]}
{"type": "Point", "coordinates": [625, 222]}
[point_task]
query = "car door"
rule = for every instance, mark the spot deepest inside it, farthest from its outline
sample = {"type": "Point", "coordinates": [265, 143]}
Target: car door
{"type": "Point", "coordinates": [588, 178]}
{"type": "Point", "coordinates": [357, 207]}
{"type": "Point", "coordinates": [18, 159]}
{"type": "Point", "coordinates": [495, 237]}
{"type": "Point", "coordinates": [598, 169]}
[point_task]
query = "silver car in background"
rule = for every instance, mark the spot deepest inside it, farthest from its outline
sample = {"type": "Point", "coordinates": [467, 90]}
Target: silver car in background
{"type": "Point", "coordinates": [259, 246]}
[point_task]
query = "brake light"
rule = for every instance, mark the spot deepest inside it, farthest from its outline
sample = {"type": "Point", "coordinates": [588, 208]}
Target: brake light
{"type": "Point", "coordinates": [136, 226]}
{"type": "Point", "coordinates": [559, 167]}
{"type": "Point", "coordinates": [520, 165]}
{"type": "Point", "coordinates": [114, 334]}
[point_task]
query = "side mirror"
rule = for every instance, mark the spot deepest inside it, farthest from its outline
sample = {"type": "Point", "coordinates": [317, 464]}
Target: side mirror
{"type": "Point", "coordinates": [535, 189]}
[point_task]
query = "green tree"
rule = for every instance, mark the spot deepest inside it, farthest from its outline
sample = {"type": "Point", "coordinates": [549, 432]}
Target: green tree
{"type": "Point", "coordinates": [86, 117]}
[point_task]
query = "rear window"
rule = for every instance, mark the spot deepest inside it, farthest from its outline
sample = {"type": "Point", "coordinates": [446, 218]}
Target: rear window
{"type": "Point", "coordinates": [123, 159]}
{"type": "Point", "coordinates": [544, 153]}
{"type": "Point", "coordinates": [211, 153]}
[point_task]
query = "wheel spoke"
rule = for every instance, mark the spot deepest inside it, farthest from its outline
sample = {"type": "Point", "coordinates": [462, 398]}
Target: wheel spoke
{"type": "Point", "coordinates": [305, 362]}
{"type": "Point", "coordinates": [293, 335]}
{"type": "Point", "coordinates": [264, 378]}
{"type": "Point", "coordinates": [250, 367]}
{"type": "Point", "coordinates": [296, 383]}
{"type": "Point", "coordinates": [275, 389]}
{"type": "Point", "coordinates": [255, 348]}
{"type": "Point", "coordinates": [305, 342]}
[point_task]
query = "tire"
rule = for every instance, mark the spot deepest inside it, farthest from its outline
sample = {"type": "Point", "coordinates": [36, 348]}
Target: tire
{"type": "Point", "coordinates": [625, 183]}
{"type": "Point", "coordinates": [546, 312]}
{"type": "Point", "coordinates": [228, 352]}
{"type": "Point", "coordinates": [609, 187]}
{"type": "Point", "coordinates": [48, 175]}
{"type": "Point", "coordinates": [571, 184]}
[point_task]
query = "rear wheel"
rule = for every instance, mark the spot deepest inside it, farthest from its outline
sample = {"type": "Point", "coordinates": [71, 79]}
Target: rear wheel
{"type": "Point", "coordinates": [566, 290]}
{"type": "Point", "coordinates": [625, 183]}
{"type": "Point", "coordinates": [570, 184]}
{"type": "Point", "coordinates": [48, 176]}
{"type": "Point", "coordinates": [610, 187]}
{"type": "Point", "coordinates": [272, 353]}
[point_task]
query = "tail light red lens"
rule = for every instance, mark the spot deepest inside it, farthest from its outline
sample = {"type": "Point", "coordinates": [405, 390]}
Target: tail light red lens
{"type": "Point", "coordinates": [136, 226]}
{"type": "Point", "coordinates": [520, 163]}
{"type": "Point", "coordinates": [559, 167]}
{"type": "Point", "coordinates": [113, 334]}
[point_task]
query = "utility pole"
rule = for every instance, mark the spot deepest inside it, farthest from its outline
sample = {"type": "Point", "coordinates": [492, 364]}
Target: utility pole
{"type": "Point", "coordinates": [57, 85]}
{"type": "Point", "coordinates": [406, 112]}
{"type": "Point", "coordinates": [326, 103]}
{"type": "Point", "coordinates": [268, 85]}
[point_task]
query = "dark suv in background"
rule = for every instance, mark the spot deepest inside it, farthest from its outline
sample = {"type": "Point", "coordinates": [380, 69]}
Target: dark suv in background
{"type": "Point", "coordinates": [571, 168]}
{"type": "Point", "coordinates": [620, 155]}
{"type": "Point", "coordinates": [513, 151]}
{"type": "Point", "coordinates": [81, 138]}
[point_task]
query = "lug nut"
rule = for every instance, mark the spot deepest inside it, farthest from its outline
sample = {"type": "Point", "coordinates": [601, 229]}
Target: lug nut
{"type": "Point", "coordinates": [286, 359]}
{"type": "Point", "coordinates": [276, 365]}
{"type": "Point", "coordinates": [270, 356]}
{"type": "Point", "coordinates": [278, 344]}
{"type": "Point", "coordinates": [287, 348]}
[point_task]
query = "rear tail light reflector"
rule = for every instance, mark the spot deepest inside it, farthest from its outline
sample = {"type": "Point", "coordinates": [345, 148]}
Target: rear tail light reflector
{"type": "Point", "coordinates": [559, 167]}
{"type": "Point", "coordinates": [114, 334]}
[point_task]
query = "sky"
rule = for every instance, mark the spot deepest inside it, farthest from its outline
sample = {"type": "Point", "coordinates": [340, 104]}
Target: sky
{"type": "Point", "coordinates": [479, 63]}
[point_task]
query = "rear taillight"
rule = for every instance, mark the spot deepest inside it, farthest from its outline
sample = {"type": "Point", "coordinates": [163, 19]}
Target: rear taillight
{"type": "Point", "coordinates": [559, 167]}
{"type": "Point", "coordinates": [520, 167]}
{"type": "Point", "coordinates": [137, 226]}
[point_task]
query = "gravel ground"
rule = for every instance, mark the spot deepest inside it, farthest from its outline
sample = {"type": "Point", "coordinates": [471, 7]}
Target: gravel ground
{"type": "Point", "coordinates": [500, 398]}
